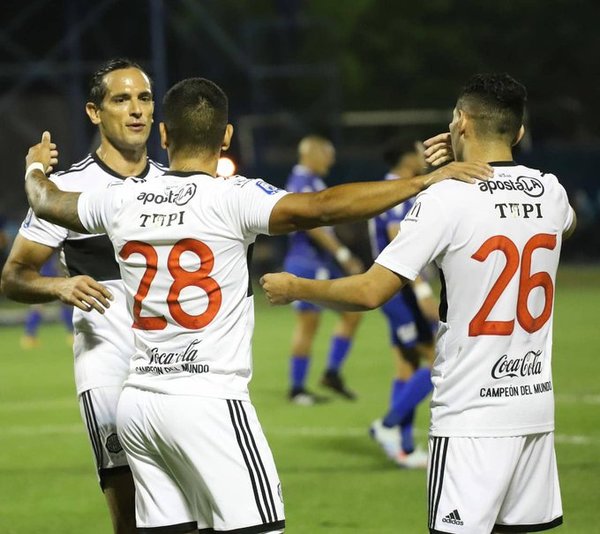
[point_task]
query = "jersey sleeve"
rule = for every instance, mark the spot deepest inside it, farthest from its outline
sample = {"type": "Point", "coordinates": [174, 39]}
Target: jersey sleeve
{"type": "Point", "coordinates": [424, 235]}
{"type": "Point", "coordinates": [255, 202]}
{"type": "Point", "coordinates": [95, 208]}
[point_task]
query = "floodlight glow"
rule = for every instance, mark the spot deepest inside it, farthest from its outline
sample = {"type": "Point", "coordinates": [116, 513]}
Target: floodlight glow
{"type": "Point", "coordinates": [225, 167]}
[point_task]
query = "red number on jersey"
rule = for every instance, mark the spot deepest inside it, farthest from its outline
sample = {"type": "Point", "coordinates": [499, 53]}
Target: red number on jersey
{"type": "Point", "coordinates": [181, 279]}
{"type": "Point", "coordinates": [479, 325]}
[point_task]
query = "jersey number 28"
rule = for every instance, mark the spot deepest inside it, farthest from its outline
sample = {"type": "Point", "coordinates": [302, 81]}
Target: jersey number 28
{"type": "Point", "coordinates": [182, 278]}
{"type": "Point", "coordinates": [479, 325]}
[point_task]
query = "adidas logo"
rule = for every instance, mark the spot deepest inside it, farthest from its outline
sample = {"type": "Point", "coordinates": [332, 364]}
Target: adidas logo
{"type": "Point", "coordinates": [453, 518]}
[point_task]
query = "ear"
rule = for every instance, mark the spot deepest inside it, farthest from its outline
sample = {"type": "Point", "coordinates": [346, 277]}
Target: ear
{"type": "Point", "coordinates": [227, 137]}
{"type": "Point", "coordinates": [463, 122]}
{"type": "Point", "coordinates": [93, 112]}
{"type": "Point", "coordinates": [164, 141]}
{"type": "Point", "coordinates": [519, 136]}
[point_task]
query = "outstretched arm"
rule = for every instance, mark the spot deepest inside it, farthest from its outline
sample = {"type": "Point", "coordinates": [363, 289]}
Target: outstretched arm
{"type": "Point", "coordinates": [361, 292]}
{"type": "Point", "coordinates": [362, 200]}
{"type": "Point", "coordinates": [48, 201]}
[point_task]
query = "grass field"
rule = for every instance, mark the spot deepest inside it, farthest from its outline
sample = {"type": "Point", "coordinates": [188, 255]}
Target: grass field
{"type": "Point", "coordinates": [334, 478]}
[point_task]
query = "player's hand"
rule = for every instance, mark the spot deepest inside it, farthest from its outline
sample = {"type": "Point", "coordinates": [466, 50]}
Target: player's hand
{"type": "Point", "coordinates": [465, 172]}
{"type": "Point", "coordinates": [84, 293]}
{"type": "Point", "coordinates": [277, 287]}
{"type": "Point", "coordinates": [353, 266]}
{"type": "Point", "coordinates": [438, 149]}
{"type": "Point", "coordinates": [44, 152]}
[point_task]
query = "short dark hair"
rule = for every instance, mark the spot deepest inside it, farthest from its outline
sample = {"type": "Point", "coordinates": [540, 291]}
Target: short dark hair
{"type": "Point", "coordinates": [395, 148]}
{"type": "Point", "coordinates": [98, 87]}
{"type": "Point", "coordinates": [195, 114]}
{"type": "Point", "coordinates": [496, 102]}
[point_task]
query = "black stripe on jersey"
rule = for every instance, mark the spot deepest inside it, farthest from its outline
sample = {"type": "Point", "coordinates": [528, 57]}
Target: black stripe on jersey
{"type": "Point", "coordinates": [92, 256]}
{"type": "Point", "coordinates": [432, 479]}
{"type": "Point", "coordinates": [245, 455]}
{"type": "Point", "coordinates": [114, 173]}
{"type": "Point", "coordinates": [263, 481]}
{"type": "Point", "coordinates": [254, 529]}
{"type": "Point", "coordinates": [263, 471]}
{"type": "Point", "coordinates": [435, 493]}
{"type": "Point", "coordinates": [443, 310]}
{"type": "Point", "coordinates": [92, 428]}
{"type": "Point", "coordinates": [158, 165]}
{"type": "Point", "coordinates": [530, 528]}
{"type": "Point", "coordinates": [72, 169]}
{"type": "Point", "coordinates": [249, 253]}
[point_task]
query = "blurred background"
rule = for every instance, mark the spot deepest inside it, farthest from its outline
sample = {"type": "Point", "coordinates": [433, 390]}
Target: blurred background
{"type": "Point", "coordinates": [358, 71]}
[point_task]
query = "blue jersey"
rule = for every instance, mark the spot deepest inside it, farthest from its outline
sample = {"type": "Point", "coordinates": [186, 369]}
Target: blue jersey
{"type": "Point", "coordinates": [378, 226]}
{"type": "Point", "coordinates": [301, 247]}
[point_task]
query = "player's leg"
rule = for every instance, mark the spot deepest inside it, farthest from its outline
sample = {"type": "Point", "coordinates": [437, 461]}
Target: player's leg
{"type": "Point", "coordinates": [467, 481]}
{"type": "Point", "coordinates": [99, 411]}
{"type": "Point", "coordinates": [33, 320]}
{"type": "Point", "coordinates": [307, 318]}
{"type": "Point", "coordinates": [340, 345]}
{"type": "Point", "coordinates": [533, 501]}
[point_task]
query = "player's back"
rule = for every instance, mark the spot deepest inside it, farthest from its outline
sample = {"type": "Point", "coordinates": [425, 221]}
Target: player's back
{"type": "Point", "coordinates": [498, 264]}
{"type": "Point", "coordinates": [183, 243]}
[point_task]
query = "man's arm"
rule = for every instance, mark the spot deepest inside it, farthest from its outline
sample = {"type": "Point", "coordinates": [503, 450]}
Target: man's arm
{"type": "Point", "coordinates": [22, 281]}
{"type": "Point", "coordinates": [48, 201]}
{"type": "Point", "coordinates": [361, 292]}
{"type": "Point", "coordinates": [362, 200]}
{"type": "Point", "coordinates": [569, 231]}
{"type": "Point", "coordinates": [329, 242]}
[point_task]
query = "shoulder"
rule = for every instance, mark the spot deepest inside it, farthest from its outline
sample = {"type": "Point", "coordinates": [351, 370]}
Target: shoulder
{"type": "Point", "coordinates": [155, 168]}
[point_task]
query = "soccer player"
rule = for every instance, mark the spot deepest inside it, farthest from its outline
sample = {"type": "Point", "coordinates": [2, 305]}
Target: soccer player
{"type": "Point", "coordinates": [317, 253]}
{"type": "Point", "coordinates": [121, 106]}
{"type": "Point", "coordinates": [492, 465]}
{"type": "Point", "coordinates": [183, 242]}
{"type": "Point", "coordinates": [410, 326]}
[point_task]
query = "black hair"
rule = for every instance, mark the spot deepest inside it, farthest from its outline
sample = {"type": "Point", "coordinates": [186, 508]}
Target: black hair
{"type": "Point", "coordinates": [195, 114]}
{"type": "Point", "coordinates": [496, 102]}
{"type": "Point", "coordinates": [98, 87]}
{"type": "Point", "coordinates": [395, 148]}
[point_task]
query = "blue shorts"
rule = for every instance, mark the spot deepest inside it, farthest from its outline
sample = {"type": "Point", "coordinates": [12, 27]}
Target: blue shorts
{"type": "Point", "coordinates": [310, 269]}
{"type": "Point", "coordinates": [408, 326]}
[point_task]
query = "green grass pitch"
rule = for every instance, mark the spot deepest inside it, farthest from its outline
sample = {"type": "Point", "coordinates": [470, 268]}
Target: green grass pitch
{"type": "Point", "coordinates": [335, 480]}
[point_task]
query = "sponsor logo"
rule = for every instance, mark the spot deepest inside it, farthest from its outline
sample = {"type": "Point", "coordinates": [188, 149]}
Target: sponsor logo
{"type": "Point", "coordinates": [113, 444]}
{"type": "Point", "coordinates": [179, 195]}
{"type": "Point", "coordinates": [529, 185]}
{"type": "Point", "coordinates": [414, 213]}
{"type": "Point", "coordinates": [189, 354]}
{"type": "Point", "coordinates": [453, 518]}
{"type": "Point", "coordinates": [528, 365]}
{"type": "Point", "coordinates": [267, 188]}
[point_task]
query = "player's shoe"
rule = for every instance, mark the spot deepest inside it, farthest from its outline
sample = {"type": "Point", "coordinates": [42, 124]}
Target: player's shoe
{"type": "Point", "coordinates": [302, 397]}
{"type": "Point", "coordinates": [388, 438]}
{"type": "Point", "coordinates": [333, 380]}
{"type": "Point", "coordinates": [29, 342]}
{"type": "Point", "coordinates": [412, 460]}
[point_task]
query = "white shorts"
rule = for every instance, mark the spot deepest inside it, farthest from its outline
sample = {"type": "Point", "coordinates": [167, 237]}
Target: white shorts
{"type": "Point", "coordinates": [199, 463]}
{"type": "Point", "coordinates": [98, 408]}
{"type": "Point", "coordinates": [476, 485]}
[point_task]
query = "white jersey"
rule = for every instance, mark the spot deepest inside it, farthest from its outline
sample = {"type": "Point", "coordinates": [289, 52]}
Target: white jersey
{"type": "Point", "coordinates": [497, 245]}
{"type": "Point", "coordinates": [183, 243]}
{"type": "Point", "coordinates": [103, 344]}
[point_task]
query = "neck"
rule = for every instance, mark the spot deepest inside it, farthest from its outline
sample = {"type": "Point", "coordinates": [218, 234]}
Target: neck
{"type": "Point", "coordinates": [123, 161]}
{"type": "Point", "coordinates": [488, 151]}
{"type": "Point", "coordinates": [184, 163]}
{"type": "Point", "coordinates": [310, 167]}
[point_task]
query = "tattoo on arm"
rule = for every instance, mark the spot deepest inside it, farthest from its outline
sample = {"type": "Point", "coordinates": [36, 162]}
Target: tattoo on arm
{"type": "Point", "coordinates": [52, 204]}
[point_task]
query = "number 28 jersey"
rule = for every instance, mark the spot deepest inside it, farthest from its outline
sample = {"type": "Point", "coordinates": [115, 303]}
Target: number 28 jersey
{"type": "Point", "coordinates": [497, 245]}
{"type": "Point", "coordinates": [183, 243]}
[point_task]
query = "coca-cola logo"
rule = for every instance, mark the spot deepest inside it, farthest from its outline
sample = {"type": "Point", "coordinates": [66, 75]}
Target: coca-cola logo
{"type": "Point", "coordinates": [528, 365]}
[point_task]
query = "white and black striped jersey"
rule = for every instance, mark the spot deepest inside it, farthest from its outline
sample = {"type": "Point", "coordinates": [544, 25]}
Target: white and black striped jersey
{"type": "Point", "coordinates": [183, 242]}
{"type": "Point", "coordinates": [497, 245]}
{"type": "Point", "coordinates": [103, 343]}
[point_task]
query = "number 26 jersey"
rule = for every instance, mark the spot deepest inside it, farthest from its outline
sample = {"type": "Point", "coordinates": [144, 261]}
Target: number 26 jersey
{"type": "Point", "coordinates": [183, 243]}
{"type": "Point", "coordinates": [497, 245]}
